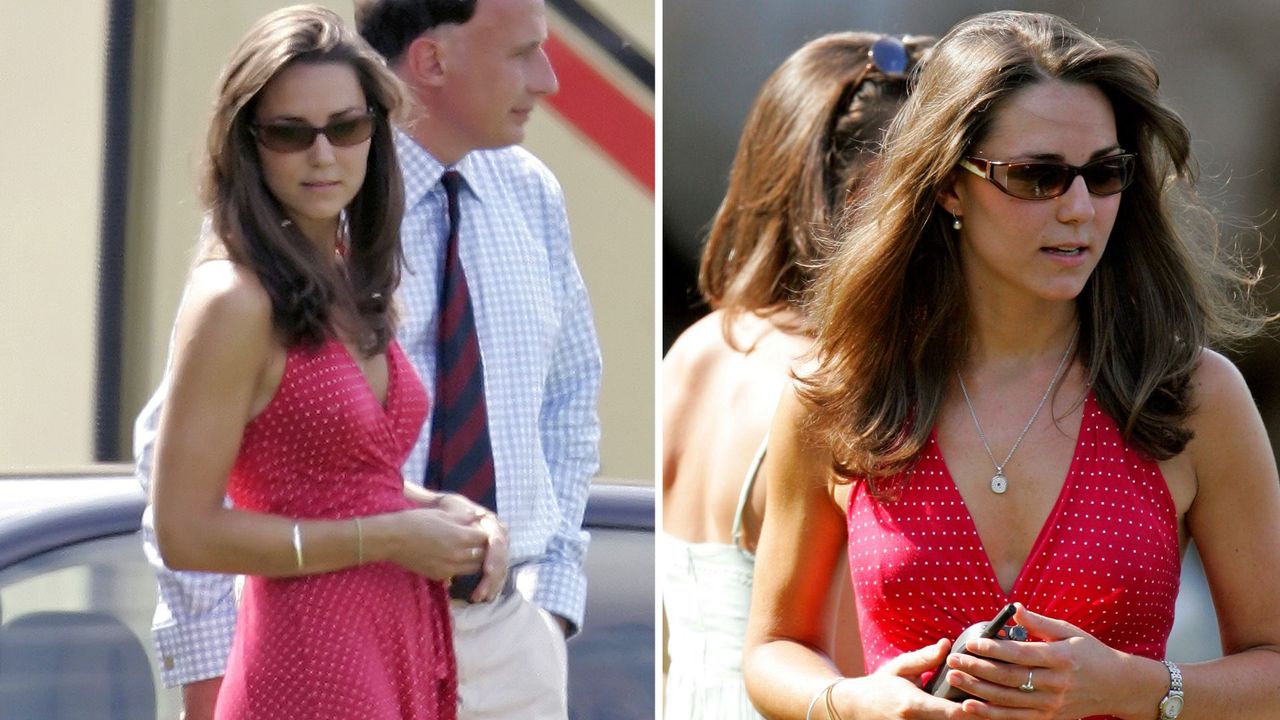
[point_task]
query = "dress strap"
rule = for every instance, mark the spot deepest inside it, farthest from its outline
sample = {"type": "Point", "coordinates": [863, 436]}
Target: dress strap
{"type": "Point", "coordinates": [752, 472]}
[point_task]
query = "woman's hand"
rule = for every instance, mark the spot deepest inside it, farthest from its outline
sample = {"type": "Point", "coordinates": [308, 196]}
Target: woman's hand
{"type": "Point", "coordinates": [893, 691]}
{"type": "Point", "coordinates": [462, 510]}
{"type": "Point", "coordinates": [436, 542]}
{"type": "Point", "coordinates": [1073, 674]}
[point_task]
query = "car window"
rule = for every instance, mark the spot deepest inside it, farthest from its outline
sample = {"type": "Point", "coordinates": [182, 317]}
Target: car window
{"type": "Point", "coordinates": [611, 661]}
{"type": "Point", "coordinates": [75, 635]}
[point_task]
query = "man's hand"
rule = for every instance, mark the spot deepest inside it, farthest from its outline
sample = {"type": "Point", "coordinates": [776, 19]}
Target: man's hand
{"type": "Point", "coordinates": [199, 698]}
{"type": "Point", "coordinates": [496, 559]}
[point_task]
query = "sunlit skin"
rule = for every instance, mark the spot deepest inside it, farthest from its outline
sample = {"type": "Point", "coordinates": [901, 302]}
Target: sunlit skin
{"type": "Point", "coordinates": [315, 184]}
{"type": "Point", "coordinates": [1025, 263]}
{"type": "Point", "coordinates": [480, 80]}
{"type": "Point", "coordinates": [228, 364]}
{"type": "Point", "coordinates": [1015, 250]}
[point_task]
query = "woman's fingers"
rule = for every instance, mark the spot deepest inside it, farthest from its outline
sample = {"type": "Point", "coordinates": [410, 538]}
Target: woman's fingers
{"type": "Point", "coordinates": [913, 664]}
{"type": "Point", "coordinates": [1043, 627]}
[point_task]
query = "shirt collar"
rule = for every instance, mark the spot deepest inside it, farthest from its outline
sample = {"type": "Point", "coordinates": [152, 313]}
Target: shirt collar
{"type": "Point", "coordinates": [422, 170]}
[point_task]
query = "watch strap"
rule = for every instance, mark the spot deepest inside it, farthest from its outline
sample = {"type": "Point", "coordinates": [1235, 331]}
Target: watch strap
{"type": "Point", "coordinates": [1175, 677]}
{"type": "Point", "coordinates": [1171, 706]}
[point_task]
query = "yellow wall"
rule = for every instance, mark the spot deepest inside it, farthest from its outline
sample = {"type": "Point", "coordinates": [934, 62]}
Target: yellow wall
{"type": "Point", "coordinates": [49, 228]}
{"type": "Point", "coordinates": [49, 214]}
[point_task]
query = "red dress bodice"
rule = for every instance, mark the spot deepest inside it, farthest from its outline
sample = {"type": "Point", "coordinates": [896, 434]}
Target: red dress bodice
{"type": "Point", "coordinates": [1107, 559]}
{"type": "Point", "coordinates": [366, 642]}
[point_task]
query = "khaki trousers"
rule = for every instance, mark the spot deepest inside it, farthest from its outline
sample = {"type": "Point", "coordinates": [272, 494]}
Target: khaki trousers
{"type": "Point", "coordinates": [512, 661]}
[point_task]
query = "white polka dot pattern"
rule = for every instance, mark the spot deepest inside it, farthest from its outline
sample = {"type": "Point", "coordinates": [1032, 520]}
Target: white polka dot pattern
{"type": "Point", "coordinates": [370, 642]}
{"type": "Point", "coordinates": [1107, 559]}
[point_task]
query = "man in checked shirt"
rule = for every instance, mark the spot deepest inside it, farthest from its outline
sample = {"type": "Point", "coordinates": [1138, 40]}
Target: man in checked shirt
{"type": "Point", "coordinates": [477, 69]}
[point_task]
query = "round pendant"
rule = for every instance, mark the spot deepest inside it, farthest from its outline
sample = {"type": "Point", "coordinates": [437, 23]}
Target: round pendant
{"type": "Point", "coordinates": [999, 483]}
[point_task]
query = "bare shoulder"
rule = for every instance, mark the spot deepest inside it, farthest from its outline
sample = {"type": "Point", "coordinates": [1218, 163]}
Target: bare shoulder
{"type": "Point", "coordinates": [1219, 394]}
{"type": "Point", "coordinates": [689, 365]}
{"type": "Point", "coordinates": [699, 344]}
{"type": "Point", "coordinates": [226, 315]}
{"type": "Point", "coordinates": [1229, 441]}
{"type": "Point", "coordinates": [227, 288]}
{"type": "Point", "coordinates": [220, 292]}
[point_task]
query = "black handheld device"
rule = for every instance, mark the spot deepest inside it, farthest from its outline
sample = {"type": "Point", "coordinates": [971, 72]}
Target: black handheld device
{"type": "Point", "coordinates": [938, 685]}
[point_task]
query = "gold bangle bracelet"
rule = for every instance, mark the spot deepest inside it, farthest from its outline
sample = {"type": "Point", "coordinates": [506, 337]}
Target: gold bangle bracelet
{"type": "Point", "coordinates": [297, 544]}
{"type": "Point", "coordinates": [359, 543]}
{"type": "Point", "coordinates": [832, 714]}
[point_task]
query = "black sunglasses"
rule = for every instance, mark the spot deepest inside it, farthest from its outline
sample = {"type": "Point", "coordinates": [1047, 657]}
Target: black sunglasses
{"type": "Point", "coordinates": [289, 136]}
{"type": "Point", "coordinates": [1047, 180]}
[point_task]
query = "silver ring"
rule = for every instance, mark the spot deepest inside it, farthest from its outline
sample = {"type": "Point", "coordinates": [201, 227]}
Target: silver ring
{"type": "Point", "coordinates": [1028, 686]}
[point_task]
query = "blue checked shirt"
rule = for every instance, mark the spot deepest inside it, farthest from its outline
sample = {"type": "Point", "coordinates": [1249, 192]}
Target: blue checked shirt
{"type": "Point", "coordinates": [542, 377]}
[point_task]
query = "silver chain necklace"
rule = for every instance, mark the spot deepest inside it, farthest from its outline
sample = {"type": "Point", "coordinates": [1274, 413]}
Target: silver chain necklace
{"type": "Point", "coordinates": [999, 482]}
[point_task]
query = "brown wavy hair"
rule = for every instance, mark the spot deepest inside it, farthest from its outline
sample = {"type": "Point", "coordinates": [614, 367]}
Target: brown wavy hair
{"type": "Point", "coordinates": [891, 309]}
{"type": "Point", "coordinates": [311, 297]}
{"type": "Point", "coordinates": [808, 140]}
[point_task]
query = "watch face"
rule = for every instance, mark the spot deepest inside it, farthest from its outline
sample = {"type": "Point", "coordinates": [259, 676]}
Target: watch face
{"type": "Point", "coordinates": [1171, 707]}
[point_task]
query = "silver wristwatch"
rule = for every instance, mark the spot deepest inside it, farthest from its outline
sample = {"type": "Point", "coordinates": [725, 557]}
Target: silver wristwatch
{"type": "Point", "coordinates": [1171, 705]}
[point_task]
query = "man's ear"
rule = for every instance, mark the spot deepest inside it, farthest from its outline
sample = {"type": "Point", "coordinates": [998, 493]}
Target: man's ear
{"type": "Point", "coordinates": [423, 62]}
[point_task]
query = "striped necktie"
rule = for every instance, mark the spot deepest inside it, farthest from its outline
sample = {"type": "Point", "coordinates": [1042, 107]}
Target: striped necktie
{"type": "Point", "coordinates": [460, 458]}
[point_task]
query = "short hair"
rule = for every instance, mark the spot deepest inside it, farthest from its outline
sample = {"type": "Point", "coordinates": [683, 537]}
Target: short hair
{"type": "Point", "coordinates": [389, 26]}
{"type": "Point", "coordinates": [891, 307]}
{"type": "Point", "coordinates": [809, 138]}
{"type": "Point", "coordinates": [247, 223]}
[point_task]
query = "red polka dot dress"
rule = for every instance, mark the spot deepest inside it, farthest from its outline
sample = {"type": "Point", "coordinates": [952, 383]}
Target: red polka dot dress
{"type": "Point", "coordinates": [365, 642]}
{"type": "Point", "coordinates": [1107, 559]}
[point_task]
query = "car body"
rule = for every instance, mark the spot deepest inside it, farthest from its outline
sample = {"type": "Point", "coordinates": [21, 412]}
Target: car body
{"type": "Point", "coordinates": [77, 598]}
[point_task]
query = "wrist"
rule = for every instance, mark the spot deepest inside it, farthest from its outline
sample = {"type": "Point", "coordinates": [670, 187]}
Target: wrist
{"type": "Point", "coordinates": [1141, 684]}
{"type": "Point", "coordinates": [821, 705]}
{"type": "Point", "coordinates": [381, 537]}
{"type": "Point", "coordinates": [1171, 704]}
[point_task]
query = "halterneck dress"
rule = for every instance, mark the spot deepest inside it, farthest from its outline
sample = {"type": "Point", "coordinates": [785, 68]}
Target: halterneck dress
{"type": "Point", "coordinates": [706, 594]}
{"type": "Point", "coordinates": [365, 642]}
{"type": "Point", "coordinates": [1107, 559]}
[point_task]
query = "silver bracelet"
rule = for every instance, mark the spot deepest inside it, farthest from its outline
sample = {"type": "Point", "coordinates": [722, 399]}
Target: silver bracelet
{"type": "Point", "coordinates": [297, 544]}
{"type": "Point", "coordinates": [808, 714]}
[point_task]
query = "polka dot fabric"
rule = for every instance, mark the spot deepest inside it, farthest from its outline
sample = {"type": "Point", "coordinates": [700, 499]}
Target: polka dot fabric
{"type": "Point", "coordinates": [369, 642]}
{"type": "Point", "coordinates": [1107, 559]}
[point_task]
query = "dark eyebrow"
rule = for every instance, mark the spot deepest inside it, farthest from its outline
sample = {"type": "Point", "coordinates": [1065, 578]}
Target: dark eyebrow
{"type": "Point", "coordinates": [353, 110]}
{"type": "Point", "coordinates": [1057, 157]}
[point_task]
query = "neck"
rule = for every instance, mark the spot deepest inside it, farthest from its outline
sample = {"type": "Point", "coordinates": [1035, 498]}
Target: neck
{"type": "Point", "coordinates": [322, 233]}
{"type": "Point", "coordinates": [1020, 333]}
{"type": "Point", "coordinates": [440, 139]}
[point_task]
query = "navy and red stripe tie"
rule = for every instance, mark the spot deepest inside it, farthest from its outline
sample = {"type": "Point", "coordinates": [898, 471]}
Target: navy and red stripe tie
{"type": "Point", "coordinates": [460, 458]}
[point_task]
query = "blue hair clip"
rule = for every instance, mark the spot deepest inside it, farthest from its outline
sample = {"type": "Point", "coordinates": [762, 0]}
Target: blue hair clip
{"type": "Point", "coordinates": [889, 56]}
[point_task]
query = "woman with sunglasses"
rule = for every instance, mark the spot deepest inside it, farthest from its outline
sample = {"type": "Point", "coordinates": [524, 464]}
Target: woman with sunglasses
{"type": "Point", "coordinates": [1014, 400]}
{"type": "Point", "coordinates": [804, 151]}
{"type": "Point", "coordinates": [289, 393]}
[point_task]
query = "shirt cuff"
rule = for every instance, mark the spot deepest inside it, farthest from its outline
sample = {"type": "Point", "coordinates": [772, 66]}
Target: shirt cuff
{"type": "Point", "coordinates": [194, 650]}
{"type": "Point", "coordinates": [557, 587]}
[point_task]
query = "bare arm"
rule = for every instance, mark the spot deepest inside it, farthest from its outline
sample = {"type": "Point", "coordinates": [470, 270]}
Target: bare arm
{"type": "Point", "coordinates": [787, 658]}
{"type": "Point", "coordinates": [1232, 518]}
{"type": "Point", "coordinates": [1235, 521]}
{"type": "Point", "coordinates": [223, 348]}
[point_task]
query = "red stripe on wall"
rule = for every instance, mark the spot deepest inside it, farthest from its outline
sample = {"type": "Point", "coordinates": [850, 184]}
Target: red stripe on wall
{"type": "Point", "coordinates": [610, 119]}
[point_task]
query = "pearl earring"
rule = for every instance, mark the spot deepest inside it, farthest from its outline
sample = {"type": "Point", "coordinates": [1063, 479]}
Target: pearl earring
{"type": "Point", "coordinates": [955, 222]}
